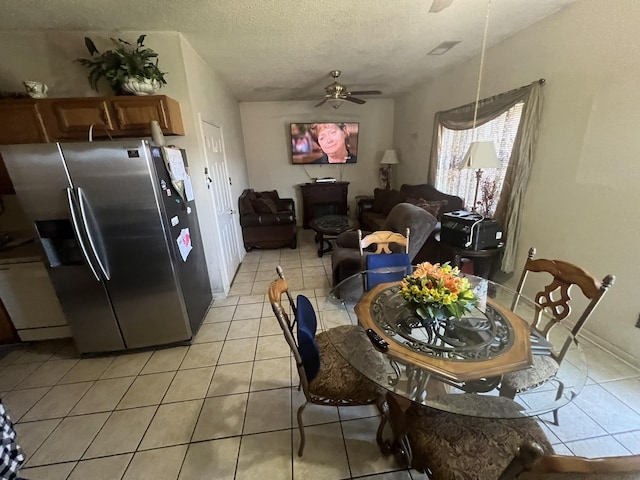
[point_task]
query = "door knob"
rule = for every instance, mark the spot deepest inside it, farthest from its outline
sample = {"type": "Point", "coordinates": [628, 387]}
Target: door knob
{"type": "Point", "coordinates": [232, 212]}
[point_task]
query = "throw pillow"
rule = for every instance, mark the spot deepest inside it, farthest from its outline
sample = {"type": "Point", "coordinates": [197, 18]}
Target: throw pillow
{"type": "Point", "coordinates": [380, 199]}
{"type": "Point", "coordinates": [395, 197]}
{"type": "Point", "coordinates": [431, 206]}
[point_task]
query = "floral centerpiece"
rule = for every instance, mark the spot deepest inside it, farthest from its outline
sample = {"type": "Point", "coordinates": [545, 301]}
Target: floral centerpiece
{"type": "Point", "coordinates": [438, 292]}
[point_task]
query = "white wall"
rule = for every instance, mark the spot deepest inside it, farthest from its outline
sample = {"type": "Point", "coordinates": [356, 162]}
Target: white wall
{"type": "Point", "coordinates": [268, 145]}
{"type": "Point", "coordinates": [49, 57]}
{"type": "Point", "coordinates": [581, 204]}
{"type": "Point", "coordinates": [214, 103]}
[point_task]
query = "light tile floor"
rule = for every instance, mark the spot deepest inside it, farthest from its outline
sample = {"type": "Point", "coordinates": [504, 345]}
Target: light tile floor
{"type": "Point", "coordinates": [224, 407]}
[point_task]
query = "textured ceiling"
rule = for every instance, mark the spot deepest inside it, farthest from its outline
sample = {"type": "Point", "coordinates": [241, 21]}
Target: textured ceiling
{"type": "Point", "coordinates": [283, 49]}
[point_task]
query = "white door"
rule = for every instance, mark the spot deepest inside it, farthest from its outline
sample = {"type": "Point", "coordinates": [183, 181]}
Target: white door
{"type": "Point", "coordinates": [225, 211]}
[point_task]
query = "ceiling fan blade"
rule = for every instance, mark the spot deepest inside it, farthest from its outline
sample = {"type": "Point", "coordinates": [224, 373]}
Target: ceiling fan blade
{"type": "Point", "coordinates": [321, 103]}
{"type": "Point", "coordinates": [359, 101]}
{"type": "Point", "coordinates": [439, 5]}
{"type": "Point", "coordinates": [366, 92]}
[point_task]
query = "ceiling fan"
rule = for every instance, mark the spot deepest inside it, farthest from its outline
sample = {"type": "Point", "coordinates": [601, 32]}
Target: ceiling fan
{"type": "Point", "coordinates": [338, 92]}
{"type": "Point", "coordinates": [439, 5]}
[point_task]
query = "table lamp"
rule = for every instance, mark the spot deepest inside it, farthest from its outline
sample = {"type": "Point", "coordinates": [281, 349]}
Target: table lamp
{"type": "Point", "coordinates": [388, 158]}
{"type": "Point", "coordinates": [480, 155]}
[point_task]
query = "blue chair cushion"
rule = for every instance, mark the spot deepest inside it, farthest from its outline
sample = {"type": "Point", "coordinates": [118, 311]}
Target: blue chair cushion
{"type": "Point", "coordinates": [398, 263]}
{"type": "Point", "coordinates": [307, 346]}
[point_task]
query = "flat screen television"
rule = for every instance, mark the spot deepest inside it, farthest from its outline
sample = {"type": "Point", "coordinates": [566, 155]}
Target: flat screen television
{"type": "Point", "coordinates": [324, 143]}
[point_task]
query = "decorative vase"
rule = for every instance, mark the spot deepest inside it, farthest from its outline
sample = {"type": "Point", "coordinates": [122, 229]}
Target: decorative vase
{"type": "Point", "coordinates": [35, 89]}
{"type": "Point", "coordinates": [136, 86]}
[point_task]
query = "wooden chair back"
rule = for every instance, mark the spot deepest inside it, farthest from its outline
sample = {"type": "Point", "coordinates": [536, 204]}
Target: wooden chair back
{"type": "Point", "coordinates": [276, 289]}
{"type": "Point", "coordinates": [382, 239]}
{"type": "Point", "coordinates": [531, 463]}
{"type": "Point", "coordinates": [556, 296]}
{"type": "Point", "coordinates": [389, 265]}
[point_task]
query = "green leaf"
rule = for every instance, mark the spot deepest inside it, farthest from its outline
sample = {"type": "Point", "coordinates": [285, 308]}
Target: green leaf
{"type": "Point", "coordinates": [121, 62]}
{"type": "Point", "coordinates": [90, 46]}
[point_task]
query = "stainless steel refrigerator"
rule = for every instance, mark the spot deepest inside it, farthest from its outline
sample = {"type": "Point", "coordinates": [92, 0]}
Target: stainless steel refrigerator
{"type": "Point", "coordinates": [123, 247]}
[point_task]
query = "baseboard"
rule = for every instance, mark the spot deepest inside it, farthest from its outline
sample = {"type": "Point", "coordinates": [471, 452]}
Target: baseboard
{"type": "Point", "coordinates": [612, 349]}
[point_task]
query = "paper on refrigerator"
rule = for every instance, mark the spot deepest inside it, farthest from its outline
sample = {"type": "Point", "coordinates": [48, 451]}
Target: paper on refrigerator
{"type": "Point", "coordinates": [174, 164]}
{"type": "Point", "coordinates": [184, 243]}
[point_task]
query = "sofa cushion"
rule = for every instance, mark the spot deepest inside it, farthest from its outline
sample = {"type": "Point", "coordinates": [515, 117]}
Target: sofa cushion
{"type": "Point", "coordinates": [380, 196]}
{"type": "Point", "coordinates": [372, 221]}
{"type": "Point", "coordinates": [385, 200]}
{"type": "Point", "coordinates": [432, 206]}
{"type": "Point", "coordinates": [264, 204]}
{"type": "Point", "coordinates": [430, 193]}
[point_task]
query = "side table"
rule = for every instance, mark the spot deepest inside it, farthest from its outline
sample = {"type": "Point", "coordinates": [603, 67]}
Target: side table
{"type": "Point", "coordinates": [330, 226]}
{"type": "Point", "coordinates": [484, 261]}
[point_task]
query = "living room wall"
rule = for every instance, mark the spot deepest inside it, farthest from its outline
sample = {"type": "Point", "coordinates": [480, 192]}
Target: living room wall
{"type": "Point", "coordinates": [267, 145]}
{"type": "Point", "coordinates": [582, 197]}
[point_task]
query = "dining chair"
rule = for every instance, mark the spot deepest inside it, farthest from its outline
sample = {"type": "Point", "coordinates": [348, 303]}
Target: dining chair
{"type": "Point", "coordinates": [554, 298]}
{"type": "Point", "coordinates": [531, 463]}
{"type": "Point", "coordinates": [450, 446]}
{"type": "Point", "coordinates": [326, 378]}
{"type": "Point", "coordinates": [384, 265]}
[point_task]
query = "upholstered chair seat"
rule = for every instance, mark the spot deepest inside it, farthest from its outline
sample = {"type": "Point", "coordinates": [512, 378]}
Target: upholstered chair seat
{"type": "Point", "coordinates": [542, 369]}
{"type": "Point", "coordinates": [462, 447]}
{"type": "Point", "coordinates": [336, 377]}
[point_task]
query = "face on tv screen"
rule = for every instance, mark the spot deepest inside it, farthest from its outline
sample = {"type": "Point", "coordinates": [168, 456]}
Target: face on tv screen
{"type": "Point", "coordinates": [324, 143]}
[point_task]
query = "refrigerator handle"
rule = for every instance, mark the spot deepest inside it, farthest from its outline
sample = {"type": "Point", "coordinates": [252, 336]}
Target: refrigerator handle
{"type": "Point", "coordinates": [76, 228]}
{"type": "Point", "coordinates": [86, 229]}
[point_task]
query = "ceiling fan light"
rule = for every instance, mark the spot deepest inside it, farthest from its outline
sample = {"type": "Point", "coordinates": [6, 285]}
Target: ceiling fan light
{"type": "Point", "coordinates": [335, 103]}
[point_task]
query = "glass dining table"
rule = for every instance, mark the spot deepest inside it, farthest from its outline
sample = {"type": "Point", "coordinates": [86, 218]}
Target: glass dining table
{"type": "Point", "coordinates": [444, 365]}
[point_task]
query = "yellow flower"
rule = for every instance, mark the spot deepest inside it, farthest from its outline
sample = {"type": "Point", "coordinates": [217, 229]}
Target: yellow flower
{"type": "Point", "coordinates": [440, 287]}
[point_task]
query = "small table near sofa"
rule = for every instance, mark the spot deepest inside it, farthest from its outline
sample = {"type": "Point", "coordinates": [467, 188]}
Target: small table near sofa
{"type": "Point", "coordinates": [484, 260]}
{"type": "Point", "coordinates": [328, 227]}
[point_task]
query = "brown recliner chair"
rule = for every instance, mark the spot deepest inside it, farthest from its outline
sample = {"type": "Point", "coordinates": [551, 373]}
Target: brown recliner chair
{"type": "Point", "coordinates": [346, 261]}
{"type": "Point", "coordinates": [267, 220]}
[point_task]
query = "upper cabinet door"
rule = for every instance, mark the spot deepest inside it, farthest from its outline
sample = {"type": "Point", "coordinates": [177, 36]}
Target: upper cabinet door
{"type": "Point", "coordinates": [21, 122]}
{"type": "Point", "coordinates": [133, 114]}
{"type": "Point", "coordinates": [78, 115]}
{"type": "Point", "coordinates": [58, 119]}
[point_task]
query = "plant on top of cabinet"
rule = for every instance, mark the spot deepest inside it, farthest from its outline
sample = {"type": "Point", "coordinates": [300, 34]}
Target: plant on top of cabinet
{"type": "Point", "coordinates": [126, 68]}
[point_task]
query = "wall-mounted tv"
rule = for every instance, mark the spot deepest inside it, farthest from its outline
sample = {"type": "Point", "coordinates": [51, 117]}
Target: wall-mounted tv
{"type": "Point", "coordinates": [324, 143]}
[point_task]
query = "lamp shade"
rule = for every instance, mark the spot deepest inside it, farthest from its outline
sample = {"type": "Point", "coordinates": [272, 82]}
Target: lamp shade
{"type": "Point", "coordinates": [389, 158]}
{"type": "Point", "coordinates": [480, 155]}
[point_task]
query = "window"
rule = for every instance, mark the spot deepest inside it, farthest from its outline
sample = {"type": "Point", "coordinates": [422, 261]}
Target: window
{"type": "Point", "coordinates": [455, 143]}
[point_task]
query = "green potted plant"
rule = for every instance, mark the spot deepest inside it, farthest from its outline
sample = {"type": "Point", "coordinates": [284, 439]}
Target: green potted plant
{"type": "Point", "coordinates": [127, 68]}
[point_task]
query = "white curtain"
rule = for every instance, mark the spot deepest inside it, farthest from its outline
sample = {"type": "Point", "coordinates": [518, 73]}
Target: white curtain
{"type": "Point", "coordinates": [508, 210]}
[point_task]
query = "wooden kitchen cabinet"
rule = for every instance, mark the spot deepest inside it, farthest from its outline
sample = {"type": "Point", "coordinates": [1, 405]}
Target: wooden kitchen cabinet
{"type": "Point", "coordinates": [8, 332]}
{"type": "Point", "coordinates": [21, 121]}
{"type": "Point", "coordinates": [125, 116]}
{"type": "Point", "coordinates": [52, 119]}
{"type": "Point", "coordinates": [70, 119]}
{"type": "Point", "coordinates": [133, 114]}
{"type": "Point", "coordinates": [6, 186]}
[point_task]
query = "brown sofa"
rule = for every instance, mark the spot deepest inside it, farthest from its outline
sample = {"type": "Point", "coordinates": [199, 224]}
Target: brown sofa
{"type": "Point", "coordinates": [267, 220]}
{"type": "Point", "coordinates": [373, 211]}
